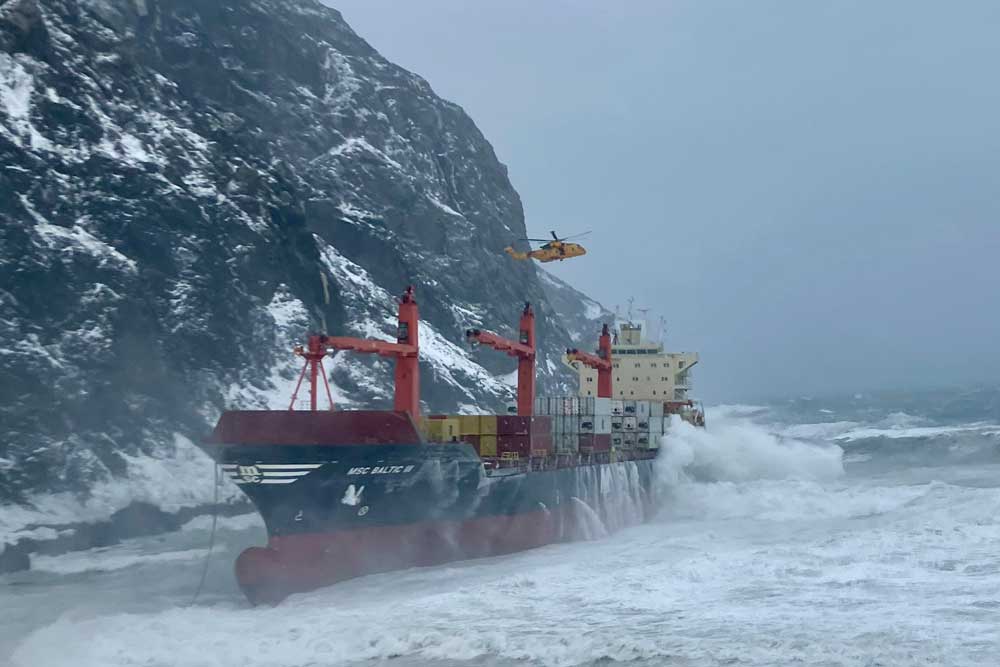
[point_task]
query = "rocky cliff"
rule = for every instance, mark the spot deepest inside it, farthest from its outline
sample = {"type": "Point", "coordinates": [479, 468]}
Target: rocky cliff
{"type": "Point", "coordinates": [187, 188]}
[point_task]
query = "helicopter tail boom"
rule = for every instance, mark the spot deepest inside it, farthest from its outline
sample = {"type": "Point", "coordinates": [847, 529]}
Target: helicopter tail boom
{"type": "Point", "coordinates": [516, 255]}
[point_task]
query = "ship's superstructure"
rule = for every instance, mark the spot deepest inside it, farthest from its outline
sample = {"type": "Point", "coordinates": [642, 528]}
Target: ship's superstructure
{"type": "Point", "coordinates": [642, 369]}
{"type": "Point", "coordinates": [345, 493]}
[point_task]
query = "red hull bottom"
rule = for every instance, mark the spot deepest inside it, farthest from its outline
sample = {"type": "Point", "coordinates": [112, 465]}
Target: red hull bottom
{"type": "Point", "coordinates": [298, 563]}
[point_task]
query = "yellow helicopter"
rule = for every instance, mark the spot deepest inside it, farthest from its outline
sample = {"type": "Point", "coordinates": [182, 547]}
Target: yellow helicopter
{"type": "Point", "coordinates": [556, 248]}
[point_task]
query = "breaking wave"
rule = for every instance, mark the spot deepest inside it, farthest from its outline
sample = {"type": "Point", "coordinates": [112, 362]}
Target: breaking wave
{"type": "Point", "coordinates": [738, 450]}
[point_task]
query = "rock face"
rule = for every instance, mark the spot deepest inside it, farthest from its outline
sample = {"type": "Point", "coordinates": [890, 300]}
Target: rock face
{"type": "Point", "coordinates": [188, 187]}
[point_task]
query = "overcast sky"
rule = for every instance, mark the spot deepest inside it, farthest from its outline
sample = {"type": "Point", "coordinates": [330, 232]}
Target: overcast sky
{"type": "Point", "coordinates": [809, 191]}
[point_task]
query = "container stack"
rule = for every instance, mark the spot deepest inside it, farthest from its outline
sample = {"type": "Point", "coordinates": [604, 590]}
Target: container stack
{"type": "Point", "coordinates": [595, 425]}
{"type": "Point", "coordinates": [580, 424]}
{"type": "Point", "coordinates": [562, 426]}
{"type": "Point", "coordinates": [480, 431]}
{"type": "Point", "coordinates": [524, 437]}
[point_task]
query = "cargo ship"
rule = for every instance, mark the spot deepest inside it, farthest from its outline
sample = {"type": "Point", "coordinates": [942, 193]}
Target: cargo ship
{"type": "Point", "coordinates": [344, 493]}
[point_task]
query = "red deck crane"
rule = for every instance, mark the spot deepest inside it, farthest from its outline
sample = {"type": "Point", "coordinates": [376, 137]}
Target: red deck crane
{"type": "Point", "coordinates": [405, 351]}
{"type": "Point", "coordinates": [523, 349]}
{"type": "Point", "coordinates": [601, 361]}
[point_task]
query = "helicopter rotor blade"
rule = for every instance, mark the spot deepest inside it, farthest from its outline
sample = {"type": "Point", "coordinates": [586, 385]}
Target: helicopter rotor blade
{"type": "Point", "coordinates": [576, 236]}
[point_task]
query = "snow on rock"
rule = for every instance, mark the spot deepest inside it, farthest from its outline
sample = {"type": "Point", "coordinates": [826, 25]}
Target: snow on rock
{"type": "Point", "coordinates": [180, 476]}
{"type": "Point", "coordinates": [200, 185]}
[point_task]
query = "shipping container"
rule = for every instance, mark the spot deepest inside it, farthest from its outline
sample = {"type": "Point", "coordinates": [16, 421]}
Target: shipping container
{"type": "Point", "coordinates": [487, 424]}
{"type": "Point", "coordinates": [541, 405]}
{"type": "Point", "coordinates": [602, 406]}
{"type": "Point", "coordinates": [586, 443]}
{"type": "Point", "coordinates": [468, 425]}
{"type": "Point", "coordinates": [642, 440]}
{"type": "Point", "coordinates": [513, 425]}
{"type": "Point", "coordinates": [566, 443]}
{"type": "Point", "coordinates": [617, 407]}
{"type": "Point", "coordinates": [602, 443]}
{"type": "Point", "coordinates": [656, 425]}
{"type": "Point", "coordinates": [571, 424]}
{"type": "Point", "coordinates": [629, 424]}
{"type": "Point", "coordinates": [587, 424]}
{"type": "Point", "coordinates": [655, 440]}
{"type": "Point", "coordinates": [642, 408]}
{"type": "Point", "coordinates": [541, 445]}
{"type": "Point", "coordinates": [628, 439]}
{"type": "Point", "coordinates": [488, 446]}
{"type": "Point", "coordinates": [617, 423]}
{"type": "Point", "coordinates": [542, 425]}
{"type": "Point", "coordinates": [519, 445]}
{"type": "Point", "coordinates": [629, 407]}
{"type": "Point", "coordinates": [558, 426]}
{"type": "Point", "coordinates": [586, 405]}
{"type": "Point", "coordinates": [442, 429]}
{"type": "Point", "coordinates": [642, 423]}
{"type": "Point", "coordinates": [617, 439]}
{"type": "Point", "coordinates": [602, 424]}
{"type": "Point", "coordinates": [656, 409]}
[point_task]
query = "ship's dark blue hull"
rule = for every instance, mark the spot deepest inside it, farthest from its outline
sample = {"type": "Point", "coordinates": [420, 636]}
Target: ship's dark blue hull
{"type": "Point", "coordinates": [334, 512]}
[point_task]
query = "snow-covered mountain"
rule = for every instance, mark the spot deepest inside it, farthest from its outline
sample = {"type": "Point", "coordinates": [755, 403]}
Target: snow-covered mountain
{"type": "Point", "coordinates": [188, 187]}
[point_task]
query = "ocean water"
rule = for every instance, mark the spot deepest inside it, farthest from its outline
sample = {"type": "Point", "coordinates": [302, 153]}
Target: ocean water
{"type": "Point", "coordinates": [857, 531]}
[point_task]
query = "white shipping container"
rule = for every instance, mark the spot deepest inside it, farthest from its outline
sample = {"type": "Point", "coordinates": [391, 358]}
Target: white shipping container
{"type": "Point", "coordinates": [656, 425]}
{"type": "Point", "coordinates": [642, 408]}
{"type": "Point", "coordinates": [628, 439]}
{"type": "Point", "coordinates": [656, 409]}
{"type": "Point", "coordinates": [642, 440]}
{"type": "Point", "coordinates": [617, 439]}
{"type": "Point", "coordinates": [602, 425]}
{"type": "Point", "coordinates": [642, 423]}
{"type": "Point", "coordinates": [617, 423]}
{"type": "Point", "coordinates": [617, 407]}
{"type": "Point", "coordinates": [602, 406]}
{"type": "Point", "coordinates": [557, 425]}
{"type": "Point", "coordinates": [629, 408]}
{"type": "Point", "coordinates": [587, 405]}
{"type": "Point", "coordinates": [587, 423]}
{"type": "Point", "coordinates": [655, 440]}
{"type": "Point", "coordinates": [567, 443]}
{"type": "Point", "coordinates": [630, 424]}
{"type": "Point", "coordinates": [573, 424]}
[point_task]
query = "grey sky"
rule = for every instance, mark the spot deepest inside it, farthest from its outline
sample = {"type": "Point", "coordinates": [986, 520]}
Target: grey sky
{"type": "Point", "coordinates": [809, 191]}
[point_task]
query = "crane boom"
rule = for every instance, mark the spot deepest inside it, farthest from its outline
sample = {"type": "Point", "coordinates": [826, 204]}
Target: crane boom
{"type": "Point", "coordinates": [601, 361]}
{"type": "Point", "coordinates": [523, 349]}
{"type": "Point", "coordinates": [405, 350]}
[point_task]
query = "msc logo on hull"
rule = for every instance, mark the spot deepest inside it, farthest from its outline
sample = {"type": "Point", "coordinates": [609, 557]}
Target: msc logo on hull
{"type": "Point", "coordinates": [268, 473]}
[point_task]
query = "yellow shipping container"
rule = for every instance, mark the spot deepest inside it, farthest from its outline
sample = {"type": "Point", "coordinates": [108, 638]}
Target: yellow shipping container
{"type": "Point", "coordinates": [468, 424]}
{"type": "Point", "coordinates": [488, 446]}
{"type": "Point", "coordinates": [442, 430]}
{"type": "Point", "coordinates": [488, 424]}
